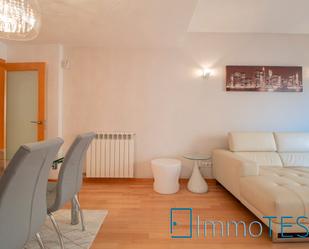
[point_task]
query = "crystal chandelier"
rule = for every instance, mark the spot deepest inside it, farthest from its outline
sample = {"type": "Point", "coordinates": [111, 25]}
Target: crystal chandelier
{"type": "Point", "coordinates": [19, 19]}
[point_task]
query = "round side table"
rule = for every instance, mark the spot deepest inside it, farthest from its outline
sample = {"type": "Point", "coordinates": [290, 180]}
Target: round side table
{"type": "Point", "coordinates": [197, 183]}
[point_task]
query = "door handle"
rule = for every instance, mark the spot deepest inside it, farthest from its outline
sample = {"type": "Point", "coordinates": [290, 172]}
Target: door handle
{"type": "Point", "coordinates": [36, 122]}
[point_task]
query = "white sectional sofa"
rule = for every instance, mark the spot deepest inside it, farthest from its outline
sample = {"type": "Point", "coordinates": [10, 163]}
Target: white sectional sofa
{"type": "Point", "coordinates": [269, 173]}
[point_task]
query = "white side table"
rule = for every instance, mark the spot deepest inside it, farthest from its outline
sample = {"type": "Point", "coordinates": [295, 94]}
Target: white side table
{"type": "Point", "coordinates": [166, 172]}
{"type": "Point", "coordinates": [197, 183]}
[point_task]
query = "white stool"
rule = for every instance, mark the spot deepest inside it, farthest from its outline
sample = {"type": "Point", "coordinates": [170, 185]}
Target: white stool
{"type": "Point", "coordinates": [166, 174]}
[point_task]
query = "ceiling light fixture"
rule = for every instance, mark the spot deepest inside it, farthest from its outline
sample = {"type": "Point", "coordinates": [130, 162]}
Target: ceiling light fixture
{"type": "Point", "coordinates": [19, 19]}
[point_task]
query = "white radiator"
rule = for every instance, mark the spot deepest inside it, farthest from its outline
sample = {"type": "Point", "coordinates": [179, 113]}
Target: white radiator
{"type": "Point", "coordinates": [111, 154]}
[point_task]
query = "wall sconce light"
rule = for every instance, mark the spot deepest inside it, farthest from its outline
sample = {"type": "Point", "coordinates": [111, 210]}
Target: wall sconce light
{"type": "Point", "coordinates": [206, 73]}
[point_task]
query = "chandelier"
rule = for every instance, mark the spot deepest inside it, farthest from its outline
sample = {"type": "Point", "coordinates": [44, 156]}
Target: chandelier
{"type": "Point", "coordinates": [19, 19]}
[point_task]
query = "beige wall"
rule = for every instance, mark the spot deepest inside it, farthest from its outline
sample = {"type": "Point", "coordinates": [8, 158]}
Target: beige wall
{"type": "Point", "coordinates": [157, 94]}
{"type": "Point", "coordinates": [3, 51]}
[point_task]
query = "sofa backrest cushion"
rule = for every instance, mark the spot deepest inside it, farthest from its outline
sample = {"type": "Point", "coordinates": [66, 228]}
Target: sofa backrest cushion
{"type": "Point", "coordinates": [262, 158]}
{"type": "Point", "coordinates": [292, 142]}
{"type": "Point", "coordinates": [293, 148]}
{"type": "Point", "coordinates": [252, 142]}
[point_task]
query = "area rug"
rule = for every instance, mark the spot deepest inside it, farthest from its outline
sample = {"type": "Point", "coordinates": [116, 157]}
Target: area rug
{"type": "Point", "coordinates": [73, 236]}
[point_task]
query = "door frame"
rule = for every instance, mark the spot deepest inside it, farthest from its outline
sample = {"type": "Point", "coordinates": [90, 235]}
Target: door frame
{"type": "Point", "coordinates": [2, 103]}
{"type": "Point", "coordinates": [40, 67]}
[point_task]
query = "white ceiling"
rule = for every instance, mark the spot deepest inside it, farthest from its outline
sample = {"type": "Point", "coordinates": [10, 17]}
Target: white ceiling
{"type": "Point", "coordinates": [164, 23]}
{"type": "Point", "coordinates": [251, 16]}
{"type": "Point", "coordinates": [136, 23]}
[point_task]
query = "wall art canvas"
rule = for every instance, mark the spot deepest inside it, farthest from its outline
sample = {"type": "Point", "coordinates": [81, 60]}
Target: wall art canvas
{"type": "Point", "coordinates": [264, 78]}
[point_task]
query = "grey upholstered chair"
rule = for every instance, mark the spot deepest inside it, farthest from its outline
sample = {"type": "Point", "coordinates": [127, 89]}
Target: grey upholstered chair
{"type": "Point", "coordinates": [69, 180]}
{"type": "Point", "coordinates": [23, 193]}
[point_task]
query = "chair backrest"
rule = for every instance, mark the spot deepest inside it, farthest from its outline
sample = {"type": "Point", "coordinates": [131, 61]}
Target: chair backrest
{"type": "Point", "coordinates": [23, 192]}
{"type": "Point", "coordinates": [71, 173]}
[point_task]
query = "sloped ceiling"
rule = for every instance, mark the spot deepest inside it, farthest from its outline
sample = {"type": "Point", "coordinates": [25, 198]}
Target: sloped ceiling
{"type": "Point", "coordinates": [164, 23]}
{"type": "Point", "coordinates": [251, 16]}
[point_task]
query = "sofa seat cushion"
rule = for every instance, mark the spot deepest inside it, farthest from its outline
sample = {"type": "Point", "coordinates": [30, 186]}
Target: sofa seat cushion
{"type": "Point", "coordinates": [278, 191]}
{"type": "Point", "coordinates": [298, 174]}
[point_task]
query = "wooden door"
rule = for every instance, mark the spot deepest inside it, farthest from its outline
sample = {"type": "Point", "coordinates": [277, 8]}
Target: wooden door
{"type": "Point", "coordinates": [19, 72]}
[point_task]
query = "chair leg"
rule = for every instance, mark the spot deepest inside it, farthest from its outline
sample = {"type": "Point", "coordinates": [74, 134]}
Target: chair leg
{"type": "Point", "coordinates": [39, 240]}
{"type": "Point", "coordinates": [51, 216]}
{"type": "Point", "coordinates": [74, 212]}
{"type": "Point", "coordinates": [80, 213]}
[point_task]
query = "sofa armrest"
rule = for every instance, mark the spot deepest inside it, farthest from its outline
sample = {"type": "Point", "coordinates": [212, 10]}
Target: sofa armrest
{"type": "Point", "coordinates": [224, 159]}
{"type": "Point", "coordinates": [229, 167]}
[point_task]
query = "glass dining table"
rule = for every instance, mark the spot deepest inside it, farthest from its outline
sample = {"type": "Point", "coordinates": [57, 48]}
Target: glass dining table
{"type": "Point", "coordinates": [74, 207]}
